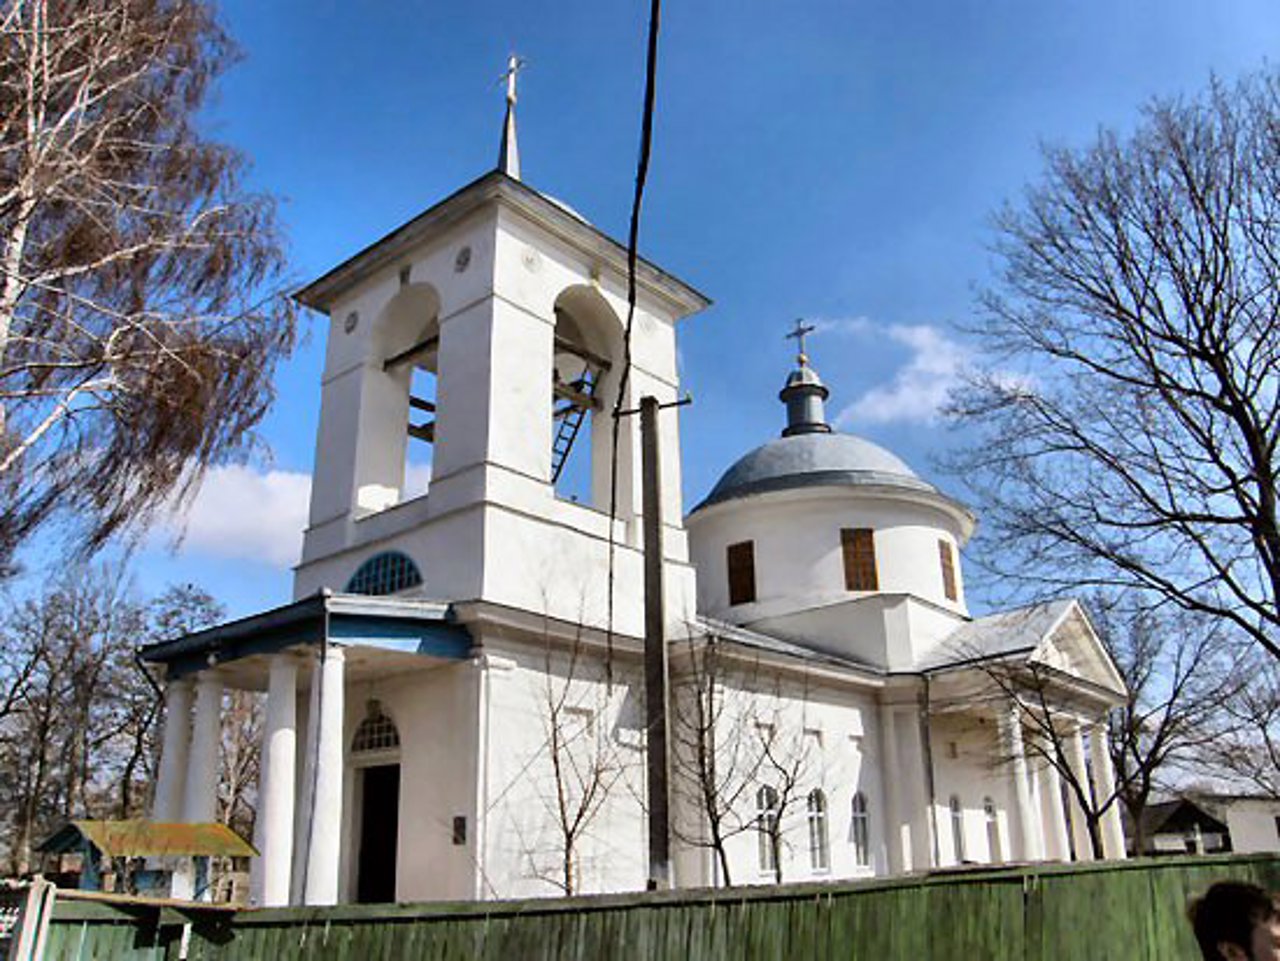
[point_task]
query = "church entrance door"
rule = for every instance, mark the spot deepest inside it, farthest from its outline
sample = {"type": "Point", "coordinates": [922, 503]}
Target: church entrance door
{"type": "Point", "coordinates": [379, 828]}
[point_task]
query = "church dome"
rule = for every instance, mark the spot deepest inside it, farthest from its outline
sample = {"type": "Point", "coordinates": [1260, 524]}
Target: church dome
{"type": "Point", "coordinates": [813, 459]}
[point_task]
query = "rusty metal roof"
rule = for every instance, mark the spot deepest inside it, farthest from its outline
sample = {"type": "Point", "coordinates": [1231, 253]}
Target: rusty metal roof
{"type": "Point", "coordinates": [141, 838]}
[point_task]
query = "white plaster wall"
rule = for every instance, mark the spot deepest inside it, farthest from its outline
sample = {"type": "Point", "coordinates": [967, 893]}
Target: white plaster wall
{"type": "Point", "coordinates": [435, 711]}
{"type": "Point", "coordinates": [352, 357]}
{"type": "Point", "coordinates": [973, 775]}
{"type": "Point", "coordinates": [798, 560]}
{"type": "Point", "coordinates": [523, 848]}
{"type": "Point", "coordinates": [826, 734]}
{"type": "Point", "coordinates": [490, 527]}
{"type": "Point", "coordinates": [1252, 824]}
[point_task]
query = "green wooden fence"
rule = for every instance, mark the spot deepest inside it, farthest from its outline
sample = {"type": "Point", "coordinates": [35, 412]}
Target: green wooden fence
{"type": "Point", "coordinates": [1132, 910]}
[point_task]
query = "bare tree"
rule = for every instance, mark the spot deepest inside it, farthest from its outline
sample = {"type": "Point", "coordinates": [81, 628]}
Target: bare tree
{"type": "Point", "coordinates": [78, 738]}
{"type": "Point", "coordinates": [716, 751]}
{"type": "Point", "coordinates": [586, 767]}
{"type": "Point", "coordinates": [1180, 670]}
{"type": "Point", "coordinates": [1246, 749]}
{"type": "Point", "coordinates": [139, 325]}
{"type": "Point", "coordinates": [1126, 431]}
{"type": "Point", "coordinates": [734, 744]}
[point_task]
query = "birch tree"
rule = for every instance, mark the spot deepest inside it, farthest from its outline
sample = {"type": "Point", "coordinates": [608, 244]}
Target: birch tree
{"type": "Point", "coordinates": [139, 326]}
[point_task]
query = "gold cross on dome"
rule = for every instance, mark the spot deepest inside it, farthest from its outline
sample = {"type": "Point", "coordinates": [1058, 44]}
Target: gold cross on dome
{"type": "Point", "coordinates": [798, 334]}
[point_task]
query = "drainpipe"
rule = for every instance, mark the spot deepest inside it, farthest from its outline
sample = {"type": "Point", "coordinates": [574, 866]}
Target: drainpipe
{"type": "Point", "coordinates": [927, 742]}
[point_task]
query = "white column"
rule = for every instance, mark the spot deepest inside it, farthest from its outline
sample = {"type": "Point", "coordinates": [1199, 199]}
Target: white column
{"type": "Point", "coordinates": [1079, 825]}
{"type": "Point", "coordinates": [897, 844]}
{"type": "Point", "coordinates": [324, 847]}
{"type": "Point", "coordinates": [1054, 818]}
{"type": "Point", "coordinates": [1104, 779]}
{"type": "Point", "coordinates": [167, 805]}
{"type": "Point", "coordinates": [201, 800]}
{"type": "Point", "coordinates": [279, 754]}
{"type": "Point", "coordinates": [1011, 737]}
{"type": "Point", "coordinates": [914, 794]}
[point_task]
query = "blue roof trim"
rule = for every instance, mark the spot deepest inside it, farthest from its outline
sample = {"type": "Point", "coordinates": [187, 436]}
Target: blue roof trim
{"type": "Point", "coordinates": [397, 634]}
{"type": "Point", "coordinates": [423, 627]}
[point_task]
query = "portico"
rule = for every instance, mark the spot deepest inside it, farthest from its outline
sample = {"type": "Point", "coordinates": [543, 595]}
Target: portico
{"type": "Point", "coordinates": [304, 657]}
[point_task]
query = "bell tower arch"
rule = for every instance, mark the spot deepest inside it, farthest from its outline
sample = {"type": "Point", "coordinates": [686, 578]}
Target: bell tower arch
{"type": "Point", "coordinates": [481, 345]}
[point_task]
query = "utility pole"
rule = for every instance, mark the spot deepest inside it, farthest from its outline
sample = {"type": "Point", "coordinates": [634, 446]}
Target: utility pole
{"type": "Point", "coordinates": [655, 650]}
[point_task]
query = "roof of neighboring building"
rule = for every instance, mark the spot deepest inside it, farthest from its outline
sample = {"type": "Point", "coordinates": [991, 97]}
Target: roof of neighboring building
{"type": "Point", "coordinates": [1176, 817]}
{"type": "Point", "coordinates": [141, 838]}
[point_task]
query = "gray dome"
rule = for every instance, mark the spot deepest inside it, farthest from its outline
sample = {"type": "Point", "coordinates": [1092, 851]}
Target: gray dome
{"type": "Point", "coordinates": [811, 460]}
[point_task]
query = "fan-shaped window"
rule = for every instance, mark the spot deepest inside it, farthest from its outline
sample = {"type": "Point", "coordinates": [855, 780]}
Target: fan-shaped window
{"type": "Point", "coordinates": [385, 573]}
{"type": "Point", "coordinates": [376, 732]}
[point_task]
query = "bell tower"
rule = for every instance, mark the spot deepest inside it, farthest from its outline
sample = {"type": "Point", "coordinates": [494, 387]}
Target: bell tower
{"type": "Point", "coordinates": [476, 352]}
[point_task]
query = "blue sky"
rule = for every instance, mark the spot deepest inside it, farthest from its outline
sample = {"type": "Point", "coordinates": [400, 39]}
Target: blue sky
{"type": "Point", "coordinates": [832, 160]}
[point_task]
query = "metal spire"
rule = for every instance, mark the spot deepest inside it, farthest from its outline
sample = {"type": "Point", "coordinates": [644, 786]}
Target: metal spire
{"type": "Point", "coordinates": [509, 153]}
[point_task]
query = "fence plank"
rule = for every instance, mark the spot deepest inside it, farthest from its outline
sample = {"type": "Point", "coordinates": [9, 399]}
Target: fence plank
{"type": "Point", "coordinates": [1037, 913]}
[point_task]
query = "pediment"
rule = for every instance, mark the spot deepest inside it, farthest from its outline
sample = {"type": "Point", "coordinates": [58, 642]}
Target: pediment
{"type": "Point", "coordinates": [1073, 647]}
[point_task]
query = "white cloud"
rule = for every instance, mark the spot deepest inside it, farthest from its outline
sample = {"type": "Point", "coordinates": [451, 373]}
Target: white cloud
{"type": "Point", "coordinates": [417, 478]}
{"type": "Point", "coordinates": [920, 387]}
{"type": "Point", "coordinates": [243, 513]}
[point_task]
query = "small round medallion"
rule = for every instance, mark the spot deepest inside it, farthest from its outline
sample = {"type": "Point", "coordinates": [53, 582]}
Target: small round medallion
{"type": "Point", "coordinates": [462, 260]}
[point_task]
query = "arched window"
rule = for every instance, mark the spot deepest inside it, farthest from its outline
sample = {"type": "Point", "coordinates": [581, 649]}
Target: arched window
{"type": "Point", "coordinates": [993, 830]}
{"type": "Point", "coordinates": [767, 828]}
{"type": "Point", "coordinates": [385, 573]}
{"type": "Point", "coordinates": [859, 830]}
{"type": "Point", "coordinates": [957, 829]}
{"type": "Point", "coordinates": [819, 848]}
{"type": "Point", "coordinates": [376, 732]}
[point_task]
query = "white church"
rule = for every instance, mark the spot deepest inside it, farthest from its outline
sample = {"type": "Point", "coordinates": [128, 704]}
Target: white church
{"type": "Point", "coordinates": [454, 703]}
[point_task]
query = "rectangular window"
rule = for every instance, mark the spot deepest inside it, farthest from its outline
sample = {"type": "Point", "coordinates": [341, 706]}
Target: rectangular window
{"type": "Point", "coordinates": [742, 572]}
{"type": "Point", "coordinates": [859, 548]}
{"type": "Point", "coordinates": [948, 570]}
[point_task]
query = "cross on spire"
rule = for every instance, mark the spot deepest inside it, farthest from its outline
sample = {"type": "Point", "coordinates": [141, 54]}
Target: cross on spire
{"type": "Point", "coordinates": [514, 66]}
{"type": "Point", "coordinates": [798, 334]}
{"type": "Point", "coordinates": [509, 152]}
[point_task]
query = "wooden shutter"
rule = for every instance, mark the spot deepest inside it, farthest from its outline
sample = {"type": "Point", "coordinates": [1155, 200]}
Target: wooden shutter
{"type": "Point", "coordinates": [859, 549]}
{"type": "Point", "coordinates": [948, 570]}
{"type": "Point", "coordinates": [742, 572]}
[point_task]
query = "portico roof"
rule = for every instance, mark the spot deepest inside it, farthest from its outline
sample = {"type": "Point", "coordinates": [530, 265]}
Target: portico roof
{"type": "Point", "coordinates": [403, 625]}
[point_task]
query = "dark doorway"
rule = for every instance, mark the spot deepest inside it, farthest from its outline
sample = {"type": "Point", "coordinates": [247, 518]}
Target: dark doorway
{"type": "Point", "coordinates": [379, 823]}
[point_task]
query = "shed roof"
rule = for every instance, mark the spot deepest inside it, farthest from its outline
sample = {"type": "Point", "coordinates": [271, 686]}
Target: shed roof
{"type": "Point", "coordinates": [142, 838]}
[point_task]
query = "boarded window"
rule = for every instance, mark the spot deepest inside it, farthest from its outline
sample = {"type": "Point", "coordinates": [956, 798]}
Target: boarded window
{"type": "Point", "coordinates": [859, 549]}
{"type": "Point", "coordinates": [742, 572]}
{"type": "Point", "coordinates": [948, 570]}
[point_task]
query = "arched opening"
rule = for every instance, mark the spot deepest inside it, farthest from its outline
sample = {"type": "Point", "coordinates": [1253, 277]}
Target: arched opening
{"type": "Point", "coordinates": [375, 753]}
{"type": "Point", "coordinates": [767, 829]}
{"type": "Point", "coordinates": [860, 830]}
{"type": "Point", "coordinates": [584, 379]}
{"type": "Point", "coordinates": [399, 406]}
{"type": "Point", "coordinates": [957, 829]}
{"type": "Point", "coordinates": [994, 854]}
{"type": "Point", "coordinates": [819, 846]}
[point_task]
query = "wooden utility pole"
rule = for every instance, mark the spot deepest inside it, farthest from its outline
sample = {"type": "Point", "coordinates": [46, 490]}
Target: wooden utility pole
{"type": "Point", "coordinates": [655, 650]}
